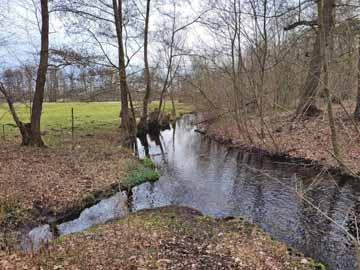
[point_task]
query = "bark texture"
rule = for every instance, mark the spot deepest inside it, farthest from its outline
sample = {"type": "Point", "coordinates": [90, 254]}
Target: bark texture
{"type": "Point", "coordinates": [35, 134]}
{"type": "Point", "coordinates": [307, 105]}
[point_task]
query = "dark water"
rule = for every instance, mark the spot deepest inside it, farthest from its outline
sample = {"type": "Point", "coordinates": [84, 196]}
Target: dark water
{"type": "Point", "coordinates": [207, 176]}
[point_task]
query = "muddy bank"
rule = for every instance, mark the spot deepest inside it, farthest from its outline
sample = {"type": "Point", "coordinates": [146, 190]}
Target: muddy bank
{"type": "Point", "coordinates": [165, 238]}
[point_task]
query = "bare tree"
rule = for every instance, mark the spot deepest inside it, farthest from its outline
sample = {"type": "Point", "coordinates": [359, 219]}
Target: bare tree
{"type": "Point", "coordinates": [147, 78]}
{"type": "Point", "coordinates": [31, 132]}
{"type": "Point", "coordinates": [126, 122]}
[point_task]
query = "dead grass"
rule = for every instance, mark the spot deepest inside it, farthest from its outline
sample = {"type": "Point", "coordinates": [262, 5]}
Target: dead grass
{"type": "Point", "coordinates": [168, 238]}
{"type": "Point", "coordinates": [308, 139]}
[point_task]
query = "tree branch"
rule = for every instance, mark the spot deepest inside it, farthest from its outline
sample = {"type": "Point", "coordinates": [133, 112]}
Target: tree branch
{"type": "Point", "coordinates": [300, 23]}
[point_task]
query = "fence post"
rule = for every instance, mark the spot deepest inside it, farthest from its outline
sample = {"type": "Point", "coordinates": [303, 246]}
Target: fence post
{"type": "Point", "coordinates": [72, 127]}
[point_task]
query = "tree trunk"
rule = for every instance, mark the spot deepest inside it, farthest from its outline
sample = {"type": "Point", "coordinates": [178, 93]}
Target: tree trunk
{"type": "Point", "coordinates": [357, 109]}
{"type": "Point", "coordinates": [33, 134]}
{"type": "Point", "coordinates": [25, 129]}
{"type": "Point", "coordinates": [307, 105]}
{"type": "Point", "coordinates": [126, 124]}
{"type": "Point", "coordinates": [146, 62]}
{"type": "Point", "coordinates": [326, 21]}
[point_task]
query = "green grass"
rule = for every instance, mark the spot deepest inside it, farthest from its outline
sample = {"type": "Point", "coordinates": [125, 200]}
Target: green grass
{"type": "Point", "coordinates": [138, 173]}
{"type": "Point", "coordinates": [90, 118]}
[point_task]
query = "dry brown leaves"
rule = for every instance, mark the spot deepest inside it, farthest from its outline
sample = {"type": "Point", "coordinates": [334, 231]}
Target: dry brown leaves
{"type": "Point", "coordinates": [168, 238]}
{"type": "Point", "coordinates": [307, 139]}
{"type": "Point", "coordinates": [55, 179]}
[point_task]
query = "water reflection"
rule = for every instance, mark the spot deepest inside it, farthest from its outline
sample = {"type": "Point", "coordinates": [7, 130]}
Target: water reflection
{"type": "Point", "coordinates": [220, 182]}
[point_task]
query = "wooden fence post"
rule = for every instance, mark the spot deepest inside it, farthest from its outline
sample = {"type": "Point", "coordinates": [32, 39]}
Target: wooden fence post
{"type": "Point", "coordinates": [72, 127]}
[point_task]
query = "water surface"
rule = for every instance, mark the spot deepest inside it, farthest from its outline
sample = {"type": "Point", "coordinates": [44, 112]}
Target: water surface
{"type": "Point", "coordinates": [218, 181]}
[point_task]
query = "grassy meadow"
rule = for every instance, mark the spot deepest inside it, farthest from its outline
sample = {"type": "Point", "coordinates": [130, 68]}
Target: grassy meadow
{"type": "Point", "coordinates": [90, 118]}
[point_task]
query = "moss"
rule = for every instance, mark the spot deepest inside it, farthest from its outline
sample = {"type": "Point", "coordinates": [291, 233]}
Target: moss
{"type": "Point", "coordinates": [204, 218]}
{"type": "Point", "coordinates": [59, 240]}
{"type": "Point", "coordinates": [317, 265]}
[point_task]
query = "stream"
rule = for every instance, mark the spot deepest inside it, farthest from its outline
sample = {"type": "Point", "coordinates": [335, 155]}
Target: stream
{"type": "Point", "coordinates": [221, 181]}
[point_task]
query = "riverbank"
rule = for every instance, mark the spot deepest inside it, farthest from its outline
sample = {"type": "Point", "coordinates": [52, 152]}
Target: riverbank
{"type": "Point", "coordinates": [77, 170]}
{"type": "Point", "coordinates": [40, 186]}
{"type": "Point", "coordinates": [307, 139]}
{"type": "Point", "coordinates": [166, 238]}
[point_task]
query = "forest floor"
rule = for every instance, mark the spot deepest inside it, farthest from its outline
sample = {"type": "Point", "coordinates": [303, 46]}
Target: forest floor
{"type": "Point", "coordinates": [167, 238]}
{"type": "Point", "coordinates": [308, 138]}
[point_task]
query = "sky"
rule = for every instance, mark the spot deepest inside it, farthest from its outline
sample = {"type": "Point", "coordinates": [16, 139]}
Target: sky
{"type": "Point", "coordinates": [21, 23]}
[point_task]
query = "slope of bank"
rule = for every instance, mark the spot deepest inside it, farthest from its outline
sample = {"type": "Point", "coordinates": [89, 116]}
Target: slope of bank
{"type": "Point", "coordinates": [309, 139]}
{"type": "Point", "coordinates": [166, 238]}
{"type": "Point", "coordinates": [45, 186]}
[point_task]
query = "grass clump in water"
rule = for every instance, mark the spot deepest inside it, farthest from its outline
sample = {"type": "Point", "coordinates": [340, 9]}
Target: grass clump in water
{"type": "Point", "coordinates": [140, 172]}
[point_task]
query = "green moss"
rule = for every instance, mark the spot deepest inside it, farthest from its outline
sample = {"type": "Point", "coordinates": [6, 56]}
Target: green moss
{"type": "Point", "coordinates": [140, 172]}
{"type": "Point", "coordinates": [59, 240]}
{"type": "Point", "coordinates": [317, 265]}
{"type": "Point", "coordinates": [204, 218]}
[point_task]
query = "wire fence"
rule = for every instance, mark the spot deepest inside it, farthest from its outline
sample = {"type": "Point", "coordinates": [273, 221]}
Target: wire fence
{"type": "Point", "coordinates": [62, 134]}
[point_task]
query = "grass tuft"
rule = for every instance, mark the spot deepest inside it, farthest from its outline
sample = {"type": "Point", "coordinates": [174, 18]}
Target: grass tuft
{"type": "Point", "coordinates": [140, 172]}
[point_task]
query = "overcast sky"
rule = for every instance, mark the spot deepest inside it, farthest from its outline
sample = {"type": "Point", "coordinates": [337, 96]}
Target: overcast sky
{"type": "Point", "coordinates": [21, 25]}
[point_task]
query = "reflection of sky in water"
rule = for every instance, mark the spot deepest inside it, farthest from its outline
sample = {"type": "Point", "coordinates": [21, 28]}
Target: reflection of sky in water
{"type": "Point", "coordinates": [221, 182]}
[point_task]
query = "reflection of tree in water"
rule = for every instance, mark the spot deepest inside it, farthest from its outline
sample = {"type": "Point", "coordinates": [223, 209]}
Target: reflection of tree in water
{"type": "Point", "coordinates": [353, 223]}
{"type": "Point", "coordinates": [144, 142]}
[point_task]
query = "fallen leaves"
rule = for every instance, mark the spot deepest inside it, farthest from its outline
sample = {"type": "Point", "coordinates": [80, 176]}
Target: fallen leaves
{"type": "Point", "coordinates": [48, 181]}
{"type": "Point", "coordinates": [166, 238]}
{"type": "Point", "coordinates": [308, 139]}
